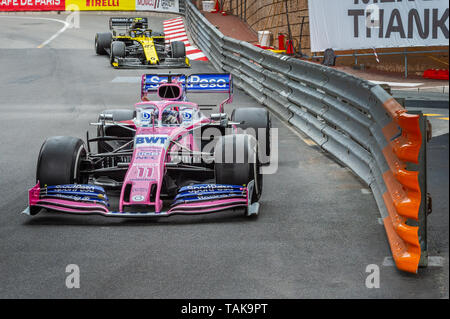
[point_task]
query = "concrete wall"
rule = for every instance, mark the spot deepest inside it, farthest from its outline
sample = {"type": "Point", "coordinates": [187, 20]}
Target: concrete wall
{"type": "Point", "coordinates": [271, 15]}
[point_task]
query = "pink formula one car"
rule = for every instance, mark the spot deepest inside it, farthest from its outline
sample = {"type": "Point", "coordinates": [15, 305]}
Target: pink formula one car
{"type": "Point", "coordinates": [165, 157]}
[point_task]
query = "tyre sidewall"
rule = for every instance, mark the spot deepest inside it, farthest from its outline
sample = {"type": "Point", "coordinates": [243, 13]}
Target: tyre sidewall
{"type": "Point", "coordinates": [59, 161]}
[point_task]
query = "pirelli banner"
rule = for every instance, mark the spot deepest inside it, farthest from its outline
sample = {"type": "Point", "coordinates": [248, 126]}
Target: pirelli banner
{"type": "Point", "coordinates": [99, 5]}
{"type": "Point", "coordinates": [32, 5]}
{"type": "Point", "coordinates": [364, 24]}
{"type": "Point", "coordinates": [90, 5]}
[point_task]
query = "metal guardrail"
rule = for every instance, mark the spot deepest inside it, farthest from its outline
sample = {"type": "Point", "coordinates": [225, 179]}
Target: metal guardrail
{"type": "Point", "coordinates": [354, 120]}
{"type": "Point", "coordinates": [182, 7]}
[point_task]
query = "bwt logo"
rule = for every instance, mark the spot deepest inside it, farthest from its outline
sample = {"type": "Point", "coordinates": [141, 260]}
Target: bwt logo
{"type": "Point", "coordinates": [151, 140]}
{"type": "Point", "coordinates": [102, 3]}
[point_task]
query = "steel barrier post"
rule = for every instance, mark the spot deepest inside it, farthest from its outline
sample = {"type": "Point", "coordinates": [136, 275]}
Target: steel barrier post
{"type": "Point", "coordinates": [425, 206]}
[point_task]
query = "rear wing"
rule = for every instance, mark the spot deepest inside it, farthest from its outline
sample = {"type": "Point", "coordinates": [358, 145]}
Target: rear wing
{"type": "Point", "coordinates": [194, 83]}
{"type": "Point", "coordinates": [126, 22]}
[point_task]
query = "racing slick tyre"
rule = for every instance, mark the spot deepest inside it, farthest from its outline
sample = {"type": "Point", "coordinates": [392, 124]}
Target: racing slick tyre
{"type": "Point", "coordinates": [59, 161]}
{"type": "Point", "coordinates": [114, 130]}
{"type": "Point", "coordinates": [117, 50]}
{"type": "Point", "coordinates": [237, 162]}
{"type": "Point", "coordinates": [178, 49]}
{"type": "Point", "coordinates": [255, 118]}
{"type": "Point", "coordinates": [102, 42]}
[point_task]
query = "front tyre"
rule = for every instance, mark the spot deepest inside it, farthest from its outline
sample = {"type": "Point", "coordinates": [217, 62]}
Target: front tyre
{"type": "Point", "coordinates": [178, 50]}
{"type": "Point", "coordinates": [60, 160]}
{"type": "Point", "coordinates": [237, 162]}
{"type": "Point", "coordinates": [118, 50]}
{"type": "Point", "coordinates": [102, 42]}
{"type": "Point", "coordinates": [258, 120]}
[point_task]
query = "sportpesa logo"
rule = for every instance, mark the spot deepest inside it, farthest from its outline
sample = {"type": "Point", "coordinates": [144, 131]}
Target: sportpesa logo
{"type": "Point", "coordinates": [194, 82]}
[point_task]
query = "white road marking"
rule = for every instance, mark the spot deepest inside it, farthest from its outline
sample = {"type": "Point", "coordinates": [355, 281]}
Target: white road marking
{"type": "Point", "coordinates": [127, 79]}
{"type": "Point", "coordinates": [433, 261]}
{"type": "Point", "coordinates": [366, 191]}
{"type": "Point", "coordinates": [402, 84]}
{"type": "Point", "coordinates": [195, 55]}
{"type": "Point", "coordinates": [175, 30]}
{"type": "Point", "coordinates": [438, 89]}
{"type": "Point", "coordinates": [180, 31]}
{"type": "Point", "coordinates": [175, 27]}
{"type": "Point", "coordinates": [183, 38]}
{"type": "Point", "coordinates": [53, 37]}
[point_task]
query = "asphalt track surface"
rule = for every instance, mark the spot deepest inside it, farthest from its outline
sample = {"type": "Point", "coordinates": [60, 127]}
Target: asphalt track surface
{"type": "Point", "coordinates": [317, 231]}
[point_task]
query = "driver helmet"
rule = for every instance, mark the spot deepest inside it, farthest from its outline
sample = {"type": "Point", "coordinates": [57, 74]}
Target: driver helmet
{"type": "Point", "coordinates": [137, 24]}
{"type": "Point", "coordinates": [170, 117]}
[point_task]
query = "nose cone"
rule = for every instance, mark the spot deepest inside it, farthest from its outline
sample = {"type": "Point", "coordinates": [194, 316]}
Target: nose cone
{"type": "Point", "coordinates": [143, 181]}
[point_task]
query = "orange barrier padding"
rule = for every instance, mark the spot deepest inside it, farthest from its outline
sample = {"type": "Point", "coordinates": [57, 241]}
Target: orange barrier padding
{"type": "Point", "coordinates": [409, 179]}
{"type": "Point", "coordinates": [406, 201]}
{"type": "Point", "coordinates": [406, 255]}
{"type": "Point", "coordinates": [403, 195]}
{"type": "Point", "coordinates": [407, 146]}
{"type": "Point", "coordinates": [409, 234]}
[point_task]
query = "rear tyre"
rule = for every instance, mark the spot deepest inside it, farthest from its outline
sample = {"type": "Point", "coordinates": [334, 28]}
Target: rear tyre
{"type": "Point", "coordinates": [117, 50]}
{"type": "Point", "coordinates": [114, 130]}
{"type": "Point", "coordinates": [178, 49]}
{"type": "Point", "coordinates": [237, 163]}
{"type": "Point", "coordinates": [255, 118]}
{"type": "Point", "coordinates": [60, 160]}
{"type": "Point", "coordinates": [102, 42]}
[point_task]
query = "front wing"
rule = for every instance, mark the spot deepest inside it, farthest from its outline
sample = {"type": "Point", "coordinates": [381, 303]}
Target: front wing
{"type": "Point", "coordinates": [135, 63]}
{"type": "Point", "coordinates": [92, 200]}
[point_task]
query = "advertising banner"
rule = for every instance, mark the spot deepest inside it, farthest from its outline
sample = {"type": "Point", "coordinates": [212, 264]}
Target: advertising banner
{"type": "Point", "coordinates": [98, 5]}
{"type": "Point", "coordinates": [364, 24]}
{"type": "Point", "coordinates": [158, 5]}
{"type": "Point", "coordinates": [32, 5]}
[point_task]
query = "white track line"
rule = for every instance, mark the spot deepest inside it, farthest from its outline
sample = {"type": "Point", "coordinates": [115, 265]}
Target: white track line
{"type": "Point", "coordinates": [175, 27]}
{"type": "Point", "coordinates": [53, 37]}
{"type": "Point", "coordinates": [402, 84]}
{"type": "Point", "coordinates": [177, 31]}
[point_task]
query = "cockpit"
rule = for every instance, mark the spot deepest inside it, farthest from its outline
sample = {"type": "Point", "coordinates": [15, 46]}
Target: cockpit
{"type": "Point", "coordinates": [173, 114]}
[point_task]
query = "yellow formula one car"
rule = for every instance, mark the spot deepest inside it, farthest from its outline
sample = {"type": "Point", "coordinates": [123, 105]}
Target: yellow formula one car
{"type": "Point", "coordinates": [131, 44]}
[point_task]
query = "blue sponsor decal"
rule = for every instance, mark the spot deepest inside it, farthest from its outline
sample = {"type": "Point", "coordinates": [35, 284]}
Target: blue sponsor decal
{"type": "Point", "coordinates": [76, 198]}
{"type": "Point", "coordinates": [145, 140]}
{"type": "Point", "coordinates": [212, 192]}
{"type": "Point", "coordinates": [79, 194]}
{"type": "Point", "coordinates": [195, 82]}
{"type": "Point", "coordinates": [76, 188]}
{"type": "Point", "coordinates": [146, 116]}
{"type": "Point", "coordinates": [194, 199]}
{"type": "Point", "coordinates": [210, 187]}
{"type": "Point", "coordinates": [187, 116]}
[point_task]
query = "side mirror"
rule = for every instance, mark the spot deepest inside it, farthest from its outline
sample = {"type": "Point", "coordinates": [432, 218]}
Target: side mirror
{"type": "Point", "coordinates": [106, 117]}
{"type": "Point", "coordinates": [219, 116]}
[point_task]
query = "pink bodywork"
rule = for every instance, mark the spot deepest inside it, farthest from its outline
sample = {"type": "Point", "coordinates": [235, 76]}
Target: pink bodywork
{"type": "Point", "coordinates": [148, 164]}
{"type": "Point", "coordinates": [147, 169]}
